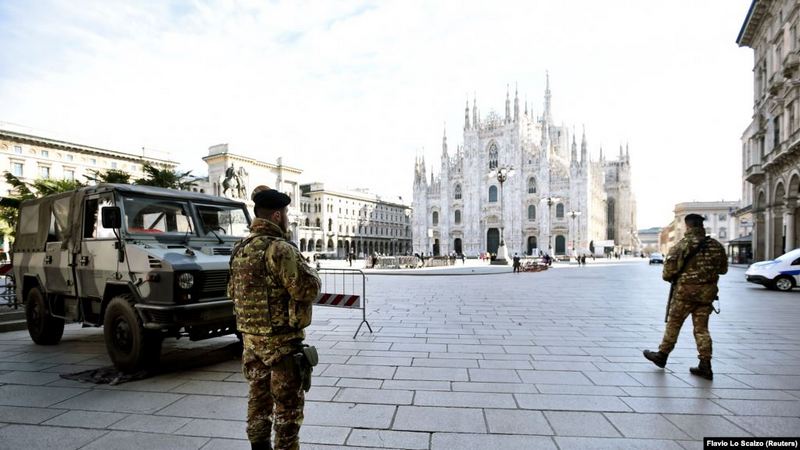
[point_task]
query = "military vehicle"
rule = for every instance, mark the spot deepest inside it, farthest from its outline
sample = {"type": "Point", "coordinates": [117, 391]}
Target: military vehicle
{"type": "Point", "coordinates": [145, 263]}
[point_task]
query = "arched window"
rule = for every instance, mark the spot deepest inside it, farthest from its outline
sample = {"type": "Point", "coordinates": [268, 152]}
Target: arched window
{"type": "Point", "coordinates": [435, 218]}
{"type": "Point", "coordinates": [493, 156]}
{"type": "Point", "coordinates": [457, 194]}
{"type": "Point", "coordinates": [531, 212]}
{"type": "Point", "coordinates": [723, 233]}
{"type": "Point", "coordinates": [330, 224]}
{"type": "Point", "coordinates": [308, 223]}
{"type": "Point", "coordinates": [319, 224]}
{"type": "Point", "coordinates": [458, 216]}
{"type": "Point", "coordinates": [492, 194]}
{"type": "Point", "coordinates": [560, 211]}
{"type": "Point", "coordinates": [531, 185]}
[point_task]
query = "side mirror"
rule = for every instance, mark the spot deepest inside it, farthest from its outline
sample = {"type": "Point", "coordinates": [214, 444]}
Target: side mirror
{"type": "Point", "coordinates": [111, 217]}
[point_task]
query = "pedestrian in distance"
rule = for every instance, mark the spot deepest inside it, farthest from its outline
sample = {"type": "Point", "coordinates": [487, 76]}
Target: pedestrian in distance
{"type": "Point", "coordinates": [516, 263]}
{"type": "Point", "coordinates": [693, 267]}
{"type": "Point", "coordinates": [273, 288]}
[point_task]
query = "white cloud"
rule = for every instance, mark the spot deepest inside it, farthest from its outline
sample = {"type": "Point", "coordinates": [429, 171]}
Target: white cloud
{"type": "Point", "coordinates": [350, 91]}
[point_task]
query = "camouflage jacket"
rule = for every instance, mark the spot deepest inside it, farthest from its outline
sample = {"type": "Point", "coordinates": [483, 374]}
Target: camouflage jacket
{"type": "Point", "coordinates": [271, 285]}
{"type": "Point", "coordinates": [698, 282]}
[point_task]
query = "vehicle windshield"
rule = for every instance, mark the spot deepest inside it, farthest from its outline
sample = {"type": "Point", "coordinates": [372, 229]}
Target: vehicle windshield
{"type": "Point", "coordinates": [222, 220]}
{"type": "Point", "coordinates": [792, 255]}
{"type": "Point", "coordinates": [157, 216]}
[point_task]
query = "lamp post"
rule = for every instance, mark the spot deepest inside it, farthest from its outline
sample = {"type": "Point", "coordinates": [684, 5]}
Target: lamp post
{"type": "Point", "coordinates": [573, 215]}
{"type": "Point", "coordinates": [502, 174]}
{"type": "Point", "coordinates": [550, 201]}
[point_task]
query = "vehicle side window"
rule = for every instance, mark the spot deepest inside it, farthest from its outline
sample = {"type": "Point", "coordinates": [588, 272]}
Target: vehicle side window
{"type": "Point", "coordinates": [54, 232]}
{"type": "Point", "coordinates": [92, 225]}
{"type": "Point", "coordinates": [796, 262]}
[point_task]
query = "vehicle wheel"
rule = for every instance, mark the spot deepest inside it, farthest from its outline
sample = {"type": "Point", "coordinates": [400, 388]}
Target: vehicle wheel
{"type": "Point", "coordinates": [783, 284]}
{"type": "Point", "coordinates": [129, 345]}
{"type": "Point", "coordinates": [43, 328]}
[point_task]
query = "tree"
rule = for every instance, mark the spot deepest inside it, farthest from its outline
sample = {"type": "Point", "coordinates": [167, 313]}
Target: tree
{"type": "Point", "coordinates": [109, 176]}
{"type": "Point", "coordinates": [166, 178]}
{"type": "Point", "coordinates": [9, 208]}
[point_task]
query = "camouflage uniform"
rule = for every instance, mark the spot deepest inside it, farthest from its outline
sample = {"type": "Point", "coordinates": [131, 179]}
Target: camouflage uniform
{"type": "Point", "coordinates": [695, 290]}
{"type": "Point", "coordinates": [273, 289]}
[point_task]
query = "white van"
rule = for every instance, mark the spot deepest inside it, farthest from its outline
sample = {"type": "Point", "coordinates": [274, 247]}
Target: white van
{"type": "Point", "coordinates": [781, 273]}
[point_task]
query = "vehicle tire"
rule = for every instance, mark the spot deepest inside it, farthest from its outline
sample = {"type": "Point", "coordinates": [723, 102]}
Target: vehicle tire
{"type": "Point", "coordinates": [43, 328]}
{"type": "Point", "coordinates": [783, 284]}
{"type": "Point", "coordinates": [130, 346]}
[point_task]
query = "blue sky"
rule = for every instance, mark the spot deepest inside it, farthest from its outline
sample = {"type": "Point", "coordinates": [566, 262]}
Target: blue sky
{"type": "Point", "coordinates": [351, 92]}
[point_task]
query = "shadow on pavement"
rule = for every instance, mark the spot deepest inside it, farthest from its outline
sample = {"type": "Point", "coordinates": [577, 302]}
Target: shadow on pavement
{"type": "Point", "coordinates": [175, 361]}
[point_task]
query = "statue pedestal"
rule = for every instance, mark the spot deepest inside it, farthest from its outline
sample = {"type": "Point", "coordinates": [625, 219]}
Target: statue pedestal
{"type": "Point", "coordinates": [502, 256]}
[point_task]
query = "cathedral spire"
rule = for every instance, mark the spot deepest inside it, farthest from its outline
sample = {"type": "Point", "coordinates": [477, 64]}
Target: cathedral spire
{"type": "Point", "coordinates": [516, 103]}
{"type": "Point", "coordinates": [584, 149]}
{"type": "Point", "coordinates": [466, 115]}
{"type": "Point", "coordinates": [444, 143]}
{"type": "Point", "coordinates": [574, 149]}
{"type": "Point", "coordinates": [526, 105]}
{"type": "Point", "coordinates": [627, 153]}
{"type": "Point", "coordinates": [601, 154]}
{"type": "Point", "coordinates": [547, 98]}
{"type": "Point", "coordinates": [508, 107]}
{"type": "Point", "coordinates": [621, 156]}
{"type": "Point", "coordinates": [474, 111]}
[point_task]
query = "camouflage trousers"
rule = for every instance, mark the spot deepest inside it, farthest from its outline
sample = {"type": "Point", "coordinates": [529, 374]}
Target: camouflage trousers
{"type": "Point", "coordinates": [276, 398]}
{"type": "Point", "coordinates": [678, 312]}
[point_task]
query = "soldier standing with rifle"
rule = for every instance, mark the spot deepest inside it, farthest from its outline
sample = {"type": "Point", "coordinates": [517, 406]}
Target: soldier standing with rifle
{"type": "Point", "coordinates": [693, 268]}
{"type": "Point", "coordinates": [273, 289]}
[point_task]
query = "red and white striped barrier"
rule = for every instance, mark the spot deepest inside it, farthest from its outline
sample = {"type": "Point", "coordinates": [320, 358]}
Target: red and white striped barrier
{"type": "Point", "coordinates": [340, 300]}
{"type": "Point", "coordinates": [344, 288]}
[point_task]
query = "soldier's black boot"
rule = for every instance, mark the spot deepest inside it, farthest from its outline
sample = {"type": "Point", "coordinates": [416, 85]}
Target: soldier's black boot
{"type": "Point", "coordinates": [657, 358]}
{"type": "Point", "coordinates": [703, 370]}
{"type": "Point", "coordinates": [261, 446]}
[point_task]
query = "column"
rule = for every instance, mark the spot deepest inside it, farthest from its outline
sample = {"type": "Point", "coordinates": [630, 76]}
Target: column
{"type": "Point", "coordinates": [789, 221]}
{"type": "Point", "coordinates": [767, 233]}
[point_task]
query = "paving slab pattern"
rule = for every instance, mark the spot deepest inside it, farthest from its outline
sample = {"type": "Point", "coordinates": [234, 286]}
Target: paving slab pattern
{"type": "Point", "coordinates": [495, 360]}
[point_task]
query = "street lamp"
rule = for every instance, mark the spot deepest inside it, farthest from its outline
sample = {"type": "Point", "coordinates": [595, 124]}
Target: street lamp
{"type": "Point", "coordinates": [573, 215]}
{"type": "Point", "coordinates": [502, 174]}
{"type": "Point", "coordinates": [550, 201]}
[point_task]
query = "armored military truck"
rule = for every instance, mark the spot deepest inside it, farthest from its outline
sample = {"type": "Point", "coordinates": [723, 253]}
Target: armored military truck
{"type": "Point", "coordinates": [144, 263]}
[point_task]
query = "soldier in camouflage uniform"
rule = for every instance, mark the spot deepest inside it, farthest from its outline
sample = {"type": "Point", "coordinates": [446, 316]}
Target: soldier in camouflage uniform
{"type": "Point", "coordinates": [694, 292]}
{"type": "Point", "coordinates": [273, 289]}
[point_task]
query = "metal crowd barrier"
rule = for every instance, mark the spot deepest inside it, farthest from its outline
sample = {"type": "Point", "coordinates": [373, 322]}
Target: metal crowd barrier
{"type": "Point", "coordinates": [8, 291]}
{"type": "Point", "coordinates": [344, 288]}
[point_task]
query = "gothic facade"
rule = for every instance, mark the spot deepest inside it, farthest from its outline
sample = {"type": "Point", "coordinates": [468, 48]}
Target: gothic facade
{"type": "Point", "coordinates": [463, 209]}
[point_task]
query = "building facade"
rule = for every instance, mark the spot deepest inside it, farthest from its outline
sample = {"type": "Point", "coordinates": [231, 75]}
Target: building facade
{"type": "Point", "coordinates": [771, 143]}
{"type": "Point", "coordinates": [556, 202]}
{"type": "Point", "coordinates": [322, 220]}
{"type": "Point", "coordinates": [340, 222]}
{"type": "Point", "coordinates": [31, 157]}
{"type": "Point", "coordinates": [721, 222]}
{"type": "Point", "coordinates": [649, 239]}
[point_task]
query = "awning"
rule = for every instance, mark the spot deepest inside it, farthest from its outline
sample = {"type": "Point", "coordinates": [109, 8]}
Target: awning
{"type": "Point", "coordinates": [742, 240]}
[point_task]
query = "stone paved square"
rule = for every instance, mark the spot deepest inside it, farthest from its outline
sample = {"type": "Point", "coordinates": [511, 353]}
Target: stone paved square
{"type": "Point", "coordinates": [494, 359]}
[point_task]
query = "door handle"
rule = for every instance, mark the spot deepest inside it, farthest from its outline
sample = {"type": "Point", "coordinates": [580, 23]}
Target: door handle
{"type": "Point", "coordinates": [84, 260]}
{"type": "Point", "coordinates": [48, 259]}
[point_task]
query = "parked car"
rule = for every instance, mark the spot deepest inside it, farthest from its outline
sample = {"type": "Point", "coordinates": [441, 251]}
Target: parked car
{"type": "Point", "coordinates": [656, 258]}
{"type": "Point", "coordinates": [145, 263]}
{"type": "Point", "coordinates": [781, 273]}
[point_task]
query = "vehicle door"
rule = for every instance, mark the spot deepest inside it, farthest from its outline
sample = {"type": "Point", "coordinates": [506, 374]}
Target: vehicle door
{"type": "Point", "coordinates": [58, 259]}
{"type": "Point", "coordinates": [794, 269]}
{"type": "Point", "coordinates": [97, 260]}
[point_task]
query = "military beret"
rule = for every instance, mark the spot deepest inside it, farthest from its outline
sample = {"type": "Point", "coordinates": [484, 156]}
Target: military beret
{"type": "Point", "coordinates": [694, 218]}
{"type": "Point", "coordinates": [271, 199]}
{"type": "Point", "coordinates": [257, 190]}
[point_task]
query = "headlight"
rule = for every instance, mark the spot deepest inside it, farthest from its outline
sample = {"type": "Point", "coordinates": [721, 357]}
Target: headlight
{"type": "Point", "coordinates": [186, 281]}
